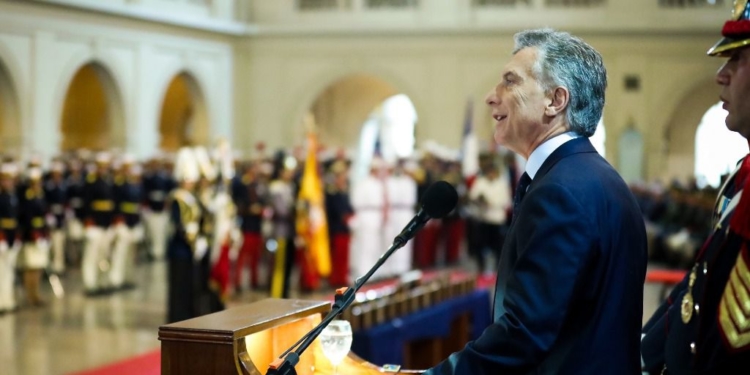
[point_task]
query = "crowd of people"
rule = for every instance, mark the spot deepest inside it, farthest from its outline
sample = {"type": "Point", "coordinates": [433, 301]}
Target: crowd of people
{"type": "Point", "coordinates": [224, 222]}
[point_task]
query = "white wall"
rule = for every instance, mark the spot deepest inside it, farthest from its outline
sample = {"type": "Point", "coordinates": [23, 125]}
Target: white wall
{"type": "Point", "coordinates": [280, 77]}
{"type": "Point", "coordinates": [43, 47]}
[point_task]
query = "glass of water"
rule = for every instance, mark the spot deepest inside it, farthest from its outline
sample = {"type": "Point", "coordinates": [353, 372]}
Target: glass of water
{"type": "Point", "coordinates": [336, 341]}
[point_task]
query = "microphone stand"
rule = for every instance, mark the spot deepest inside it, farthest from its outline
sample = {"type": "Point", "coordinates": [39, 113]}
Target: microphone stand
{"type": "Point", "coordinates": [284, 365]}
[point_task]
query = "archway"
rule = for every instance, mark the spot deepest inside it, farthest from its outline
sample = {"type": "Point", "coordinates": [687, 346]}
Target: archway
{"type": "Point", "coordinates": [353, 112]}
{"type": "Point", "coordinates": [184, 118]}
{"type": "Point", "coordinates": [10, 131]}
{"type": "Point", "coordinates": [679, 135]}
{"type": "Point", "coordinates": [92, 115]}
{"type": "Point", "coordinates": [717, 149]}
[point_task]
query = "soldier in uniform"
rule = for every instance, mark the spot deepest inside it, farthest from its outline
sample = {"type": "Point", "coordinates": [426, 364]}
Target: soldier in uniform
{"type": "Point", "coordinates": [704, 325]}
{"type": "Point", "coordinates": [34, 256]}
{"type": "Point", "coordinates": [157, 185]}
{"type": "Point", "coordinates": [369, 199]}
{"type": "Point", "coordinates": [10, 241]}
{"type": "Point", "coordinates": [282, 199]}
{"type": "Point", "coordinates": [76, 213]}
{"type": "Point", "coordinates": [339, 212]}
{"type": "Point", "coordinates": [128, 195]}
{"type": "Point", "coordinates": [401, 190]}
{"type": "Point", "coordinates": [55, 193]}
{"type": "Point", "coordinates": [250, 196]}
{"type": "Point", "coordinates": [99, 206]}
{"type": "Point", "coordinates": [185, 247]}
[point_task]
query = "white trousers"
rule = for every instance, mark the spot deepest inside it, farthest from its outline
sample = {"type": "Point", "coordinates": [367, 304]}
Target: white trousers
{"type": "Point", "coordinates": [156, 228]}
{"type": "Point", "coordinates": [96, 258]}
{"type": "Point", "coordinates": [8, 257]}
{"type": "Point", "coordinates": [58, 251]}
{"type": "Point", "coordinates": [122, 254]}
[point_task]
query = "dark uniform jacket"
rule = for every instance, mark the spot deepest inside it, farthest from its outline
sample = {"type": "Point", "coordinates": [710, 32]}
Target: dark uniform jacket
{"type": "Point", "coordinates": [250, 197]}
{"type": "Point", "coordinates": [156, 188]}
{"type": "Point", "coordinates": [32, 217]}
{"type": "Point", "coordinates": [128, 198]}
{"type": "Point", "coordinates": [99, 200]}
{"type": "Point", "coordinates": [338, 210]}
{"type": "Point", "coordinates": [704, 325]}
{"type": "Point", "coordinates": [56, 196]}
{"type": "Point", "coordinates": [9, 207]}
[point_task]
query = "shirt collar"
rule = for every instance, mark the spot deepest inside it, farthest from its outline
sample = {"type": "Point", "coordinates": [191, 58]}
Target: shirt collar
{"type": "Point", "coordinates": [541, 153]}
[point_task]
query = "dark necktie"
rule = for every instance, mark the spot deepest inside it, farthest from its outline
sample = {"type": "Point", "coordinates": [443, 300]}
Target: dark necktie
{"type": "Point", "coordinates": [523, 184]}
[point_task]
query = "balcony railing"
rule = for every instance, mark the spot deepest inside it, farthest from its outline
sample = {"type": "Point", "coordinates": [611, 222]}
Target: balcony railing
{"type": "Point", "coordinates": [391, 4]}
{"type": "Point", "coordinates": [500, 3]}
{"type": "Point", "coordinates": [690, 3]}
{"type": "Point", "coordinates": [574, 3]}
{"type": "Point", "coordinates": [323, 5]}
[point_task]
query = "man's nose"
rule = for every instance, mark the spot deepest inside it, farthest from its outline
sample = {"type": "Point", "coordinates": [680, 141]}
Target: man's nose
{"type": "Point", "coordinates": [491, 98]}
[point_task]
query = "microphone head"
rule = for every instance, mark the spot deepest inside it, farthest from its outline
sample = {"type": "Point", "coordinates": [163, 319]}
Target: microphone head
{"type": "Point", "coordinates": [439, 199]}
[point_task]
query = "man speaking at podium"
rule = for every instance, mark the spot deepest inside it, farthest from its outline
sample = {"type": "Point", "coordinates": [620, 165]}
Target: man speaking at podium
{"type": "Point", "coordinates": [569, 292]}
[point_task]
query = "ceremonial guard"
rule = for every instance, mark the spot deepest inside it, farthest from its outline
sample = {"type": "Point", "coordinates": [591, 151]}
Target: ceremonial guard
{"type": "Point", "coordinates": [186, 248]}
{"type": "Point", "coordinates": [157, 185]}
{"type": "Point", "coordinates": [99, 206]}
{"type": "Point", "coordinates": [339, 213]}
{"type": "Point", "coordinates": [76, 213]}
{"type": "Point", "coordinates": [34, 256]}
{"type": "Point", "coordinates": [704, 325]}
{"type": "Point", "coordinates": [210, 291]}
{"type": "Point", "coordinates": [426, 240]}
{"type": "Point", "coordinates": [282, 198]}
{"type": "Point", "coordinates": [454, 224]}
{"type": "Point", "coordinates": [227, 238]}
{"type": "Point", "coordinates": [127, 224]}
{"type": "Point", "coordinates": [10, 241]}
{"type": "Point", "coordinates": [402, 202]}
{"type": "Point", "coordinates": [56, 196]}
{"type": "Point", "coordinates": [250, 197]}
{"type": "Point", "coordinates": [369, 200]}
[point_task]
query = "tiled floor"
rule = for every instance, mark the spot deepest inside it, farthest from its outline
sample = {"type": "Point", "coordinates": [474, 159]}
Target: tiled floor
{"type": "Point", "coordinates": [76, 333]}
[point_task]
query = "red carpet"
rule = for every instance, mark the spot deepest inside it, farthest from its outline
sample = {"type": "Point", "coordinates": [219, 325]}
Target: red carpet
{"type": "Point", "coordinates": [144, 364]}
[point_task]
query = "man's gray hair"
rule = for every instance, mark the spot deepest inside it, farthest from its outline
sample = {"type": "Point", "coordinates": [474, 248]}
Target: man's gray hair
{"type": "Point", "coordinates": [567, 61]}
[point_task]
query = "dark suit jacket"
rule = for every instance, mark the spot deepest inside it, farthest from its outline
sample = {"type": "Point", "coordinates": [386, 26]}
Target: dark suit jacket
{"type": "Point", "coordinates": [569, 292]}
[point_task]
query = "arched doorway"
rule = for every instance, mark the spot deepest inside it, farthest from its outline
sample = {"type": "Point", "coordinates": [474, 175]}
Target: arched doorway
{"type": "Point", "coordinates": [10, 131]}
{"type": "Point", "coordinates": [358, 111]}
{"type": "Point", "coordinates": [92, 115]}
{"type": "Point", "coordinates": [679, 135]}
{"type": "Point", "coordinates": [184, 117]}
{"type": "Point", "coordinates": [717, 149]}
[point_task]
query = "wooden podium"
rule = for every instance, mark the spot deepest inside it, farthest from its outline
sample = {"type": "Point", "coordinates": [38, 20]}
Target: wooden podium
{"type": "Point", "coordinates": [246, 339]}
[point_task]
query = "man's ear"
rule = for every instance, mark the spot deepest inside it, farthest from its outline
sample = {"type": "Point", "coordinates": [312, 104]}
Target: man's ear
{"type": "Point", "coordinates": [558, 101]}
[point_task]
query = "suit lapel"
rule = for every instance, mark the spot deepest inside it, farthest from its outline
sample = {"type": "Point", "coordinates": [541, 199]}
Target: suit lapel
{"type": "Point", "coordinates": [575, 146]}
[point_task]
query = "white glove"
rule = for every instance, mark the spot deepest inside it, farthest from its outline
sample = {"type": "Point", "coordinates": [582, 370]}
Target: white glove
{"type": "Point", "coordinates": [201, 246]}
{"type": "Point", "coordinates": [4, 247]}
{"type": "Point", "coordinates": [42, 244]}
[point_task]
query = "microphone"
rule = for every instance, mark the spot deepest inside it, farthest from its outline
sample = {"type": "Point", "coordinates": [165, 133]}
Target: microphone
{"type": "Point", "coordinates": [439, 200]}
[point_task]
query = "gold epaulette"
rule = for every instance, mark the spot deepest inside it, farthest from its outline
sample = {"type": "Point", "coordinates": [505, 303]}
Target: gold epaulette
{"type": "Point", "coordinates": [734, 309]}
{"type": "Point", "coordinates": [91, 178]}
{"type": "Point", "coordinates": [119, 180]}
